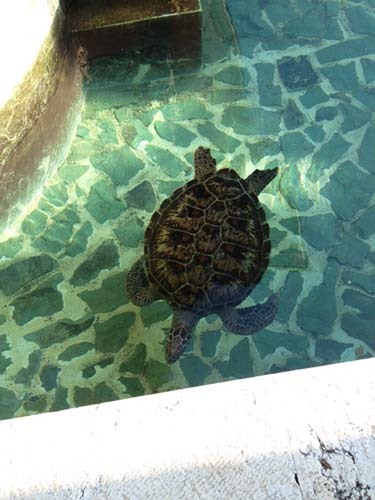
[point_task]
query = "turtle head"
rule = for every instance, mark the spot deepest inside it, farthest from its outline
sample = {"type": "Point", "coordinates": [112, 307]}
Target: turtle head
{"type": "Point", "coordinates": [204, 163]}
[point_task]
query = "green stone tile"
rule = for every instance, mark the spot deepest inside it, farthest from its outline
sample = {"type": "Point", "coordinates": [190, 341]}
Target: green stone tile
{"type": "Point", "coordinates": [231, 75]}
{"type": "Point", "coordinates": [359, 328]}
{"type": "Point", "coordinates": [317, 312]}
{"type": "Point", "coordinates": [34, 223]}
{"type": "Point", "coordinates": [107, 133]}
{"type": "Point", "coordinates": [364, 227]}
{"type": "Point", "coordinates": [44, 301]}
{"type": "Point", "coordinates": [136, 361]}
{"type": "Point", "coordinates": [297, 72]}
{"type": "Point", "coordinates": [360, 20]}
{"type": "Point", "coordinates": [222, 141]}
{"type": "Point", "coordinates": [48, 377]}
{"type": "Point", "coordinates": [315, 133]}
{"type": "Point", "coordinates": [21, 273]}
{"type": "Point", "coordinates": [368, 66]}
{"type": "Point", "coordinates": [60, 401]}
{"type": "Point", "coordinates": [10, 248]}
{"type": "Point", "coordinates": [75, 350]}
{"type": "Point", "coordinates": [167, 187]}
{"type": "Point", "coordinates": [102, 202]}
{"type": "Point", "coordinates": [326, 156]}
{"type": "Point", "coordinates": [35, 403]}
{"type": "Point", "coordinates": [364, 281]}
{"type": "Point", "coordinates": [105, 256]}
{"type": "Point", "coordinates": [293, 117]}
{"type": "Point", "coordinates": [289, 296]}
{"type": "Point", "coordinates": [313, 96]}
{"type": "Point", "coordinates": [291, 258]}
{"type": "Point", "coordinates": [59, 332]}
{"type": "Point", "coordinates": [347, 49]}
{"type": "Point", "coordinates": [295, 146]}
{"type": "Point", "coordinates": [2, 319]}
{"type": "Point", "coordinates": [267, 341]}
{"type": "Point", "coordinates": [251, 120]}
{"type": "Point", "coordinates": [360, 301]}
{"type": "Point", "coordinates": [208, 342]}
{"type": "Point", "coordinates": [142, 197]}
{"type": "Point", "coordinates": [351, 251]}
{"type": "Point", "coordinates": [158, 311]}
{"type": "Point", "coordinates": [366, 150]}
{"type": "Point", "coordinates": [132, 386]}
{"type": "Point", "coordinates": [109, 296]}
{"type": "Point", "coordinates": [4, 346]}
{"type": "Point", "coordinates": [294, 193]}
{"type": "Point", "coordinates": [121, 165]}
{"type": "Point", "coordinates": [83, 131]}
{"type": "Point", "coordinates": [90, 371]}
{"type": "Point", "coordinates": [26, 375]}
{"type": "Point", "coordinates": [240, 363]}
{"type": "Point", "coordinates": [80, 150]}
{"type": "Point", "coordinates": [343, 77]}
{"type": "Point", "coordinates": [263, 148]}
{"type": "Point", "coordinates": [130, 232]}
{"type": "Point", "coordinates": [9, 403]}
{"type": "Point", "coordinates": [82, 396]}
{"type": "Point", "coordinates": [269, 94]}
{"type": "Point", "coordinates": [362, 187]}
{"type": "Point", "coordinates": [111, 335]}
{"type": "Point", "coordinates": [328, 113]}
{"type": "Point", "coordinates": [157, 374]}
{"type": "Point", "coordinates": [174, 133]}
{"type": "Point", "coordinates": [103, 393]}
{"type": "Point", "coordinates": [194, 370]}
{"type": "Point", "coordinates": [223, 96]}
{"type": "Point", "coordinates": [71, 172]}
{"type": "Point", "coordinates": [56, 195]}
{"type": "Point", "coordinates": [321, 231]}
{"type": "Point", "coordinates": [78, 243]}
{"type": "Point", "coordinates": [186, 109]}
{"type": "Point", "coordinates": [168, 162]}
{"type": "Point", "coordinates": [354, 117]}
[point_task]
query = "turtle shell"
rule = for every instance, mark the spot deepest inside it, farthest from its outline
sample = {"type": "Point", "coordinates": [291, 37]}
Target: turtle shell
{"type": "Point", "coordinates": [208, 244]}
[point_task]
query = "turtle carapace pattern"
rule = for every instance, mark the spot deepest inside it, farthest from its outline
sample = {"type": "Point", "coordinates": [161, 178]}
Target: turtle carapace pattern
{"type": "Point", "coordinates": [205, 249]}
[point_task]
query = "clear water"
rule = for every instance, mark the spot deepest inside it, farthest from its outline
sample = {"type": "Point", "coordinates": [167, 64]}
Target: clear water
{"type": "Point", "coordinates": [286, 83]}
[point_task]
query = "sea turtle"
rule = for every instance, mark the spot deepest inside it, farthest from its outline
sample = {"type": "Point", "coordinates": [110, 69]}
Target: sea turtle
{"type": "Point", "coordinates": [205, 249]}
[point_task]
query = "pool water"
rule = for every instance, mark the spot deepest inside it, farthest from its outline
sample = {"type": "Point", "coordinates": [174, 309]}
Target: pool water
{"type": "Point", "coordinates": [283, 83]}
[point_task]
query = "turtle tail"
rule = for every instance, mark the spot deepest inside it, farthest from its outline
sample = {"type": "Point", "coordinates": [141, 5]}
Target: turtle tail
{"type": "Point", "coordinates": [249, 320]}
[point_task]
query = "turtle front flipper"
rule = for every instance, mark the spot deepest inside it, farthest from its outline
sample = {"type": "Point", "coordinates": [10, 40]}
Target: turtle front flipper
{"type": "Point", "coordinates": [183, 324]}
{"type": "Point", "coordinates": [259, 179]}
{"type": "Point", "coordinates": [249, 320]}
{"type": "Point", "coordinates": [138, 288]}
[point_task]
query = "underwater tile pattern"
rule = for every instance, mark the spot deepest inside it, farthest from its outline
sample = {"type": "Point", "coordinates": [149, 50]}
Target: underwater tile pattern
{"type": "Point", "coordinates": [288, 84]}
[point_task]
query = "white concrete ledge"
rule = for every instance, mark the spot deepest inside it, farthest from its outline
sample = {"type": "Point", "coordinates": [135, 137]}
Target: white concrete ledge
{"type": "Point", "coordinates": [306, 434]}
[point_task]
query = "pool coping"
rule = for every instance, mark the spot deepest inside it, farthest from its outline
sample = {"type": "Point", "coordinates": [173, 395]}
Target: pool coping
{"type": "Point", "coordinates": [296, 435]}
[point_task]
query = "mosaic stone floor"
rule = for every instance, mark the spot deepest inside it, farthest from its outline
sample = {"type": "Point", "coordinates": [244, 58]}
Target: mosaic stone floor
{"type": "Point", "coordinates": [293, 85]}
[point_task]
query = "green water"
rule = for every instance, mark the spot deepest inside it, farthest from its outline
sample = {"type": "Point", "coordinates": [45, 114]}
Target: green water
{"type": "Point", "coordinates": [287, 84]}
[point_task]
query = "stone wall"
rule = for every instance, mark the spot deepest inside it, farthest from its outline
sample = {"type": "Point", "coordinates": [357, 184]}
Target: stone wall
{"type": "Point", "coordinates": [40, 102]}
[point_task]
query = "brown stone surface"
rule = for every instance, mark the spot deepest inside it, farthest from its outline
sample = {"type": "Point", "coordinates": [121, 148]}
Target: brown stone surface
{"type": "Point", "coordinates": [34, 122]}
{"type": "Point", "coordinates": [115, 27]}
{"type": "Point", "coordinates": [90, 15]}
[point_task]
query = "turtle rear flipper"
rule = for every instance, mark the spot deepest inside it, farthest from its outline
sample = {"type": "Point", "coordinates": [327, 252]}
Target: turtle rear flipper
{"type": "Point", "coordinates": [249, 320]}
{"type": "Point", "coordinates": [183, 324]}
